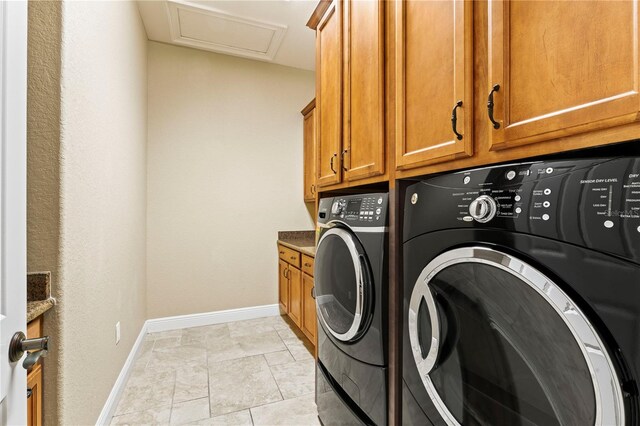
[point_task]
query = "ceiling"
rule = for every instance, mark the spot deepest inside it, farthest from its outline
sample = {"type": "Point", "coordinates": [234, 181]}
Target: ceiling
{"type": "Point", "coordinates": [271, 31]}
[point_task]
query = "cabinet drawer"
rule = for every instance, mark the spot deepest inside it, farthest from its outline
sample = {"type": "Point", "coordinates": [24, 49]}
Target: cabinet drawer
{"type": "Point", "coordinates": [307, 264]}
{"type": "Point", "coordinates": [290, 256]}
{"type": "Point", "coordinates": [34, 328]}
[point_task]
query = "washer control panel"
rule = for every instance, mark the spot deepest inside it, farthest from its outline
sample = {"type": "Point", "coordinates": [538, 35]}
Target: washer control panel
{"type": "Point", "coordinates": [591, 202]}
{"type": "Point", "coordinates": [356, 210]}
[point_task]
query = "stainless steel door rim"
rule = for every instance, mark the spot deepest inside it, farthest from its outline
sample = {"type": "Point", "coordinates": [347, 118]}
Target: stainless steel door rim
{"type": "Point", "coordinates": [354, 329]}
{"type": "Point", "coordinates": [607, 391]}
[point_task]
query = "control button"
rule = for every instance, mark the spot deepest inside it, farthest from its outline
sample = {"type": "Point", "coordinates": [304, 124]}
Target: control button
{"type": "Point", "coordinates": [466, 180]}
{"type": "Point", "coordinates": [414, 198]}
{"type": "Point", "coordinates": [549, 170]}
{"type": "Point", "coordinates": [517, 198]}
{"type": "Point", "coordinates": [608, 224]}
{"type": "Point", "coordinates": [547, 191]}
{"type": "Point", "coordinates": [380, 200]}
{"type": "Point", "coordinates": [545, 217]}
{"type": "Point", "coordinates": [377, 217]}
{"type": "Point", "coordinates": [511, 174]}
{"type": "Point", "coordinates": [470, 219]}
{"type": "Point", "coordinates": [546, 204]}
{"type": "Point", "coordinates": [378, 210]}
{"type": "Point", "coordinates": [638, 229]}
{"type": "Point", "coordinates": [483, 208]}
{"type": "Point", "coordinates": [518, 210]}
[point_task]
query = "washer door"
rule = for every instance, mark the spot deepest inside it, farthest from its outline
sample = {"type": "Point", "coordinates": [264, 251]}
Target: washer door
{"type": "Point", "coordinates": [342, 284]}
{"type": "Point", "coordinates": [496, 342]}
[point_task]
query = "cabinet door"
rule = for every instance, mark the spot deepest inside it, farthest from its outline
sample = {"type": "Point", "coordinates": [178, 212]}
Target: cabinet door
{"type": "Point", "coordinates": [283, 286]}
{"type": "Point", "coordinates": [563, 68]}
{"type": "Point", "coordinates": [295, 295]}
{"type": "Point", "coordinates": [363, 121]}
{"type": "Point", "coordinates": [308, 308]}
{"type": "Point", "coordinates": [434, 61]}
{"type": "Point", "coordinates": [34, 399]}
{"type": "Point", "coordinates": [329, 96]}
{"type": "Point", "coordinates": [309, 135]}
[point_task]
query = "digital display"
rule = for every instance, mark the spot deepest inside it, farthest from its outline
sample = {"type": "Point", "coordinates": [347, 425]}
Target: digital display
{"type": "Point", "coordinates": [353, 206]}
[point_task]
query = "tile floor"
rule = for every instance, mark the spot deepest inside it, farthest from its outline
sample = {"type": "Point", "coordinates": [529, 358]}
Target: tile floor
{"type": "Point", "coordinates": [254, 372]}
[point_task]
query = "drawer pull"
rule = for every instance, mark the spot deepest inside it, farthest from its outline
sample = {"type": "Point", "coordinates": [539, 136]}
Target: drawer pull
{"type": "Point", "coordinates": [292, 258]}
{"type": "Point", "coordinates": [308, 265]}
{"type": "Point", "coordinates": [281, 252]}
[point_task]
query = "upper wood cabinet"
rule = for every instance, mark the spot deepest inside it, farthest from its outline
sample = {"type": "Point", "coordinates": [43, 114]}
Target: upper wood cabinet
{"type": "Point", "coordinates": [350, 102]}
{"type": "Point", "coordinates": [309, 138]}
{"type": "Point", "coordinates": [329, 96]}
{"type": "Point", "coordinates": [363, 121]}
{"type": "Point", "coordinates": [562, 68]}
{"type": "Point", "coordinates": [434, 81]}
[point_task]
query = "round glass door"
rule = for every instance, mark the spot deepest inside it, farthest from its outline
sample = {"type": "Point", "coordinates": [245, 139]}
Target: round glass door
{"type": "Point", "coordinates": [498, 343]}
{"type": "Point", "coordinates": [341, 284]}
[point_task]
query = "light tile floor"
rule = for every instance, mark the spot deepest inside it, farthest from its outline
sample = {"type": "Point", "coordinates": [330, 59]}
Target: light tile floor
{"type": "Point", "coordinates": [254, 372]}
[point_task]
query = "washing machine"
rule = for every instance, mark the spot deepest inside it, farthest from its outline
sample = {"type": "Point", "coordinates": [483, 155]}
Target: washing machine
{"type": "Point", "coordinates": [351, 294]}
{"type": "Point", "coordinates": [522, 295]}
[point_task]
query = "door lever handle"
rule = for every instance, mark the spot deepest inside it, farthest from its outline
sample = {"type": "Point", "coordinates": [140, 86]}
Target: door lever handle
{"type": "Point", "coordinates": [36, 348]}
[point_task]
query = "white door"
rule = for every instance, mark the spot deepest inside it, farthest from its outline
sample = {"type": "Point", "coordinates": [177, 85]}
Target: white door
{"type": "Point", "coordinates": [13, 131]}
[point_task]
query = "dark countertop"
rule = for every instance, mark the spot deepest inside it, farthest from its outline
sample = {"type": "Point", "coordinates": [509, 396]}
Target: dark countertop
{"type": "Point", "coordinates": [39, 298]}
{"type": "Point", "coordinates": [302, 241]}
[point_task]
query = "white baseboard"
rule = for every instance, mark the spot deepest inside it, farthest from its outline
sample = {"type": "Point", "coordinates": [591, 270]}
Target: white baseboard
{"type": "Point", "coordinates": [209, 318]}
{"type": "Point", "coordinates": [175, 323]}
{"type": "Point", "coordinates": [114, 396]}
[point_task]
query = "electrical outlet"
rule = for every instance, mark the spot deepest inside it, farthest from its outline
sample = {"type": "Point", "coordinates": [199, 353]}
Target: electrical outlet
{"type": "Point", "coordinates": [117, 332]}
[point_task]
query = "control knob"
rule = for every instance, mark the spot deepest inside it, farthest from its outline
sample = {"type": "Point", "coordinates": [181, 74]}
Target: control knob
{"type": "Point", "coordinates": [483, 209]}
{"type": "Point", "coordinates": [338, 206]}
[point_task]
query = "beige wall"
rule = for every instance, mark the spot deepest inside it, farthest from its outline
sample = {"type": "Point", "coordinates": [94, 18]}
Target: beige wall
{"type": "Point", "coordinates": [43, 169]}
{"type": "Point", "coordinates": [90, 171]}
{"type": "Point", "coordinates": [224, 175]}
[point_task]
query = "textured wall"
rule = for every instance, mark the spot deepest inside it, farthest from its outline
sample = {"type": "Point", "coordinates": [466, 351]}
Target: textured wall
{"type": "Point", "coordinates": [43, 170]}
{"type": "Point", "coordinates": [224, 175]}
{"type": "Point", "coordinates": [89, 168]}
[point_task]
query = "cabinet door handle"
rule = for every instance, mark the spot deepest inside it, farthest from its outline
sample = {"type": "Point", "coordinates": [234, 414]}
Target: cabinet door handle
{"type": "Point", "coordinates": [495, 88]}
{"type": "Point", "coordinates": [342, 160]}
{"type": "Point", "coordinates": [454, 120]}
{"type": "Point", "coordinates": [29, 392]}
{"type": "Point", "coordinates": [331, 164]}
{"type": "Point", "coordinates": [313, 292]}
{"type": "Point", "coordinates": [313, 189]}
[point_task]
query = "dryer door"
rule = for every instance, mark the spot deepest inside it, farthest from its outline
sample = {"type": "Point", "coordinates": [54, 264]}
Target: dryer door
{"type": "Point", "coordinates": [496, 342]}
{"type": "Point", "coordinates": [342, 284]}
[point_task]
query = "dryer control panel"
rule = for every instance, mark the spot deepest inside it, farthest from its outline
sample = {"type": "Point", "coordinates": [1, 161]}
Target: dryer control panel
{"type": "Point", "coordinates": [590, 202]}
{"type": "Point", "coordinates": [355, 210]}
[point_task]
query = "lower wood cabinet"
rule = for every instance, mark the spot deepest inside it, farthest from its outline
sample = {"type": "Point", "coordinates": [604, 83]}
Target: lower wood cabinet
{"type": "Point", "coordinates": [34, 396]}
{"type": "Point", "coordinates": [34, 379]}
{"type": "Point", "coordinates": [309, 322]}
{"type": "Point", "coordinates": [295, 290]}
{"type": "Point", "coordinates": [295, 295]}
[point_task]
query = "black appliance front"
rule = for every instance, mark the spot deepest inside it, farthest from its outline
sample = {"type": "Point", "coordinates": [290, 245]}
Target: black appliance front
{"type": "Point", "coordinates": [522, 295]}
{"type": "Point", "coordinates": [350, 279]}
{"type": "Point", "coordinates": [350, 274]}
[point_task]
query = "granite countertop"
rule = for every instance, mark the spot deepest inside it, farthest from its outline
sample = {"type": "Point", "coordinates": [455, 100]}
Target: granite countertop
{"type": "Point", "coordinates": [302, 241]}
{"type": "Point", "coordinates": [39, 298]}
{"type": "Point", "coordinates": [38, 307]}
